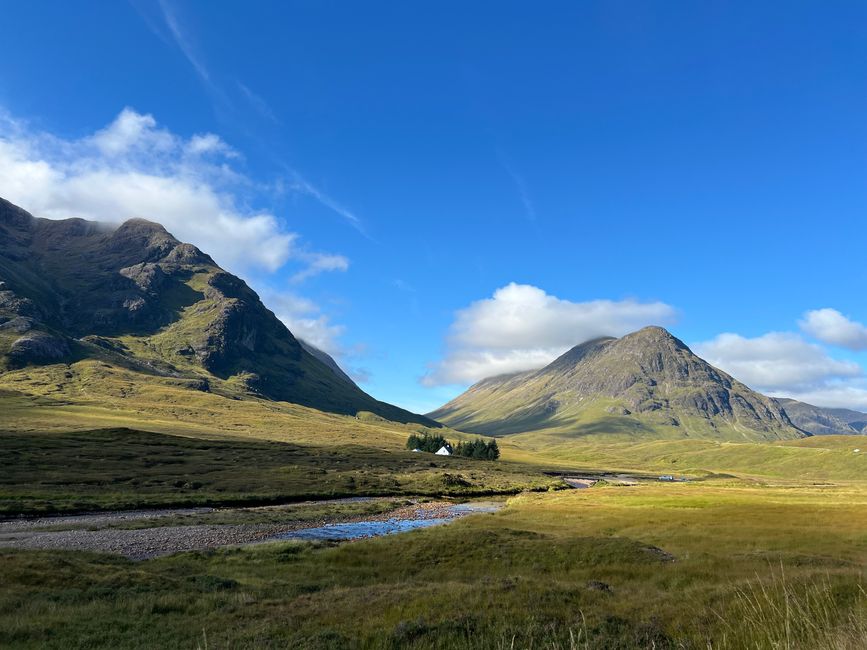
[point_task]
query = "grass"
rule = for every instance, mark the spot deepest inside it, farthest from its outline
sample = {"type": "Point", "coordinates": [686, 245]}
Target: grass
{"type": "Point", "coordinates": [657, 566]}
{"type": "Point", "coordinates": [773, 559]}
{"type": "Point", "coordinates": [123, 469]}
{"type": "Point", "coordinates": [780, 613]}
{"type": "Point", "coordinates": [821, 458]}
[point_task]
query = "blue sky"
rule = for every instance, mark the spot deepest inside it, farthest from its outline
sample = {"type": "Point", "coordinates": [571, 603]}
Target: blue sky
{"type": "Point", "coordinates": [438, 191]}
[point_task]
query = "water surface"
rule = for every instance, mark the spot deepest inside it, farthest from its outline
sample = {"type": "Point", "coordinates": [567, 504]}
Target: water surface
{"type": "Point", "coordinates": [377, 528]}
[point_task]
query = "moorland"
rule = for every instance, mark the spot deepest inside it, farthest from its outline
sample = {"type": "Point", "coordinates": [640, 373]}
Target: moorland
{"type": "Point", "coordinates": [162, 382]}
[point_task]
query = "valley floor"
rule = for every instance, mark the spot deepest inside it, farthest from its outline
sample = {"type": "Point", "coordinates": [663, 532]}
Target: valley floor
{"type": "Point", "coordinates": [695, 565]}
{"type": "Point", "coordinates": [764, 547]}
{"type": "Point", "coordinates": [145, 534]}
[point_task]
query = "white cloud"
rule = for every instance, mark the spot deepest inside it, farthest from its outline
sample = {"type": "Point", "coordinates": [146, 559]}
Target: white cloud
{"type": "Point", "coordinates": [306, 321]}
{"type": "Point", "coordinates": [318, 263]}
{"type": "Point", "coordinates": [782, 364]}
{"type": "Point", "coordinates": [201, 145]}
{"type": "Point", "coordinates": [135, 168]}
{"type": "Point", "coordinates": [774, 362]}
{"type": "Point", "coordinates": [836, 394]}
{"type": "Point", "coordinates": [521, 327]}
{"type": "Point", "coordinates": [131, 130]}
{"type": "Point", "coordinates": [830, 326]}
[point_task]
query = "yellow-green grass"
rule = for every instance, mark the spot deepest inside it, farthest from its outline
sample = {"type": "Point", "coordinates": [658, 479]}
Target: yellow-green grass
{"type": "Point", "coordinates": [657, 566]}
{"type": "Point", "coordinates": [820, 458]}
{"type": "Point", "coordinates": [91, 394]}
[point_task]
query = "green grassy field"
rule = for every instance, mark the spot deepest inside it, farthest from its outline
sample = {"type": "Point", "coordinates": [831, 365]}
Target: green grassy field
{"type": "Point", "coordinates": [820, 458]}
{"type": "Point", "coordinates": [664, 566]}
{"type": "Point", "coordinates": [125, 469]}
{"type": "Point", "coordinates": [771, 557]}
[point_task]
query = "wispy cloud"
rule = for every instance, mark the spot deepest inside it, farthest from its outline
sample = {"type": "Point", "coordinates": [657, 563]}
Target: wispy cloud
{"type": "Point", "coordinates": [167, 26]}
{"type": "Point", "coordinates": [258, 103]}
{"type": "Point", "coordinates": [164, 21]}
{"type": "Point", "coordinates": [299, 184]}
{"type": "Point", "coordinates": [403, 285]}
{"type": "Point", "coordinates": [183, 42]}
{"type": "Point", "coordinates": [520, 187]}
{"type": "Point", "coordinates": [319, 263]}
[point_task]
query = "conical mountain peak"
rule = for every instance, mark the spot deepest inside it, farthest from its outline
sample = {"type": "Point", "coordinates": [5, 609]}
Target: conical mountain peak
{"type": "Point", "coordinates": [646, 382]}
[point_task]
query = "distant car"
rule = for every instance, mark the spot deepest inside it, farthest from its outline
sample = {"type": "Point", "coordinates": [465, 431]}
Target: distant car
{"type": "Point", "coordinates": [666, 477]}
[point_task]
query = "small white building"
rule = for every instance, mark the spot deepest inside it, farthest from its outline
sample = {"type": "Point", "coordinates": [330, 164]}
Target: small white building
{"type": "Point", "coordinates": [445, 450]}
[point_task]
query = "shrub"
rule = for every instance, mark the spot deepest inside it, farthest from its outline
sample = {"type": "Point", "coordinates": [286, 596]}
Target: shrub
{"type": "Point", "coordinates": [478, 449]}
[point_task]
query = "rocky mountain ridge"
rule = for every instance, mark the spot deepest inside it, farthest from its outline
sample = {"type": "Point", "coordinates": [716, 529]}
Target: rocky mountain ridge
{"type": "Point", "coordinates": [136, 297]}
{"type": "Point", "coordinates": [819, 421]}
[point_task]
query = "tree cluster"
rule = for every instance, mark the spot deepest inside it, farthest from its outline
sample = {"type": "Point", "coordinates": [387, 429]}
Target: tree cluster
{"type": "Point", "coordinates": [479, 449]}
{"type": "Point", "coordinates": [426, 442]}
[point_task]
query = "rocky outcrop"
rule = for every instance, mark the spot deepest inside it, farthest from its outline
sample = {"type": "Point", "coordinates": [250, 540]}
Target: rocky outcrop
{"type": "Point", "coordinates": [37, 348]}
{"type": "Point", "coordinates": [147, 276]}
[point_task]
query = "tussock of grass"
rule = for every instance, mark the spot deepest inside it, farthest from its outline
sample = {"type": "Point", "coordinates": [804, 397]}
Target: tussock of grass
{"type": "Point", "coordinates": [777, 613]}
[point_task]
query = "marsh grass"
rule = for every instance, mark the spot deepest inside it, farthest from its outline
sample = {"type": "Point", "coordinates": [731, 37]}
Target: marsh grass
{"type": "Point", "coordinates": [739, 567]}
{"type": "Point", "coordinates": [778, 613]}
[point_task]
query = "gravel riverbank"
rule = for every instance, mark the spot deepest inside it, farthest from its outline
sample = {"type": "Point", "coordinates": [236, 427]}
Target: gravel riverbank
{"type": "Point", "coordinates": [97, 532]}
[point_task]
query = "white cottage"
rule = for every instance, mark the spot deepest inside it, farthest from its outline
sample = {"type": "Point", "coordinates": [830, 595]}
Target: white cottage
{"type": "Point", "coordinates": [445, 450]}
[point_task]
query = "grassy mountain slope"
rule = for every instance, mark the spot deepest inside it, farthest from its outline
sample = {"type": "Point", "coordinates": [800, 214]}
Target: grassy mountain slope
{"type": "Point", "coordinates": [646, 384]}
{"type": "Point", "coordinates": [134, 297]}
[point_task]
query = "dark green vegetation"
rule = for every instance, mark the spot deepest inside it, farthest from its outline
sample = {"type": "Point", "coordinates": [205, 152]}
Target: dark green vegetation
{"type": "Point", "coordinates": [478, 449]}
{"type": "Point", "coordinates": [676, 566]}
{"type": "Point", "coordinates": [647, 384]}
{"type": "Point", "coordinates": [135, 298]}
{"type": "Point", "coordinates": [125, 469]}
{"type": "Point", "coordinates": [473, 448]}
{"type": "Point", "coordinates": [427, 442]}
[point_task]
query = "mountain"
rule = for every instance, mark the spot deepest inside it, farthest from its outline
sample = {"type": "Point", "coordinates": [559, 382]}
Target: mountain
{"type": "Point", "coordinates": [824, 421]}
{"type": "Point", "coordinates": [327, 359]}
{"type": "Point", "coordinates": [134, 297]}
{"type": "Point", "coordinates": [647, 383]}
